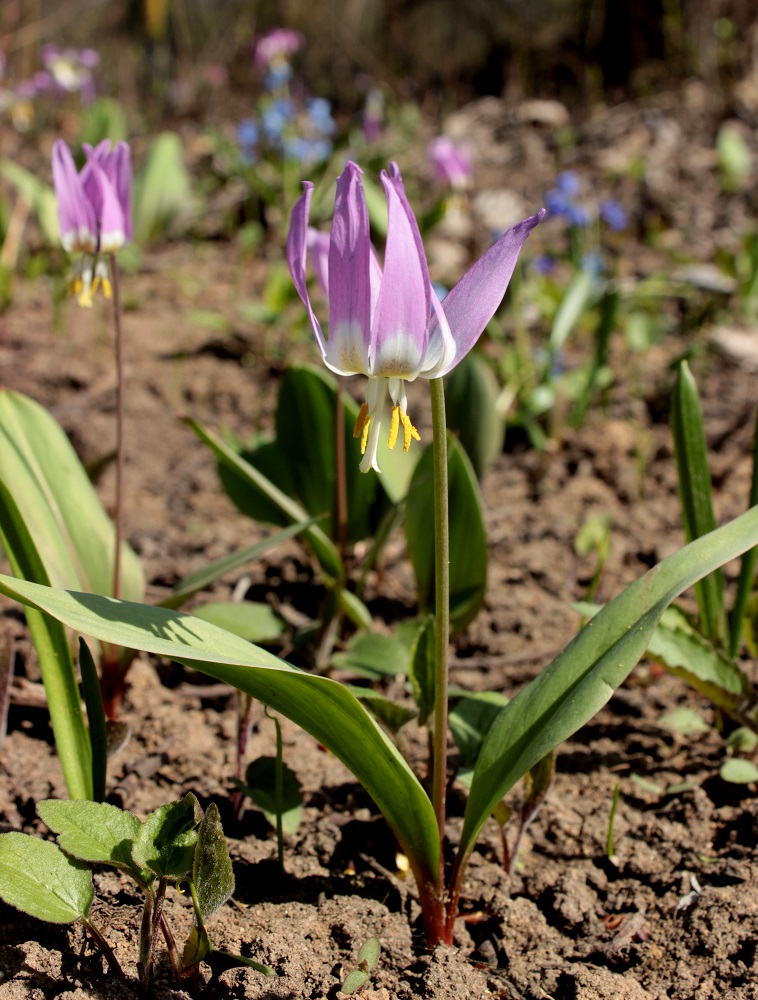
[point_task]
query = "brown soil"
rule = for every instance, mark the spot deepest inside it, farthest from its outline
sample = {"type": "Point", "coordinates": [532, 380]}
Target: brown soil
{"type": "Point", "coordinates": [571, 923]}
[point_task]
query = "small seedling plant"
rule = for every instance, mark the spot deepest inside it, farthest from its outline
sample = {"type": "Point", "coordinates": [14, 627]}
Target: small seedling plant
{"type": "Point", "coordinates": [177, 845]}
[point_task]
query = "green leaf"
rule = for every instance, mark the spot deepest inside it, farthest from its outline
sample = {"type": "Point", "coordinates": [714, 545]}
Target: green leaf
{"type": "Point", "coordinates": [250, 620]}
{"type": "Point", "coordinates": [40, 198]}
{"type": "Point", "coordinates": [39, 879]}
{"type": "Point", "coordinates": [370, 952]}
{"type": "Point", "coordinates": [746, 578]}
{"type": "Point", "coordinates": [470, 720]}
{"type": "Point", "coordinates": [421, 674]}
{"type": "Point", "coordinates": [55, 660]}
{"type": "Point", "coordinates": [742, 740]}
{"type": "Point", "coordinates": [393, 716]}
{"type": "Point", "coordinates": [680, 648]}
{"type": "Point", "coordinates": [261, 787]}
{"type": "Point", "coordinates": [318, 704]}
{"type": "Point", "coordinates": [468, 539]}
{"type": "Point", "coordinates": [583, 677]}
{"type": "Point", "coordinates": [162, 189]}
{"type": "Point", "coordinates": [323, 547]}
{"type": "Point", "coordinates": [353, 982]}
{"type": "Point", "coordinates": [739, 772]}
{"type": "Point", "coordinates": [696, 495]}
{"type": "Point", "coordinates": [471, 407]}
{"type": "Point", "coordinates": [165, 843]}
{"type": "Point", "coordinates": [196, 949]}
{"type": "Point", "coordinates": [202, 578]}
{"type": "Point", "coordinates": [212, 867]}
{"type": "Point", "coordinates": [93, 831]}
{"type": "Point", "coordinates": [372, 655]}
{"type": "Point", "coordinates": [73, 535]}
{"type": "Point", "coordinates": [575, 302]}
{"type": "Point", "coordinates": [685, 721]}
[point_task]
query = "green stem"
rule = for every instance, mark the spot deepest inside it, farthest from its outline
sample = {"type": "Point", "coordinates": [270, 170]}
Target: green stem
{"type": "Point", "coordinates": [442, 607]}
{"type": "Point", "coordinates": [119, 424]}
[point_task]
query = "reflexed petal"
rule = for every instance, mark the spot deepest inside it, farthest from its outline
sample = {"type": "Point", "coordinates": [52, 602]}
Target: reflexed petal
{"type": "Point", "coordinates": [440, 349]}
{"type": "Point", "coordinates": [112, 222]}
{"type": "Point", "coordinates": [402, 311]}
{"type": "Point", "coordinates": [349, 276]}
{"type": "Point", "coordinates": [76, 216]}
{"type": "Point", "coordinates": [297, 240]}
{"type": "Point", "coordinates": [318, 248]}
{"type": "Point", "coordinates": [120, 175]}
{"type": "Point", "coordinates": [473, 302]}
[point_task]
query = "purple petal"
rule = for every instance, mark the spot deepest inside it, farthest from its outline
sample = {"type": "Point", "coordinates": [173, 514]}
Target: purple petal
{"type": "Point", "coordinates": [112, 222]}
{"type": "Point", "coordinates": [318, 248]}
{"type": "Point", "coordinates": [119, 171]}
{"type": "Point", "coordinates": [472, 303]}
{"type": "Point", "coordinates": [297, 239]}
{"type": "Point", "coordinates": [349, 276]}
{"type": "Point", "coordinates": [402, 311]}
{"type": "Point", "coordinates": [76, 216]}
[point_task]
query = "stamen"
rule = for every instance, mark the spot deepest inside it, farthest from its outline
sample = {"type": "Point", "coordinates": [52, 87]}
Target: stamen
{"type": "Point", "coordinates": [106, 287]}
{"type": "Point", "coordinates": [394, 427]}
{"type": "Point", "coordinates": [364, 435]}
{"type": "Point", "coordinates": [360, 423]}
{"type": "Point", "coordinates": [409, 431]}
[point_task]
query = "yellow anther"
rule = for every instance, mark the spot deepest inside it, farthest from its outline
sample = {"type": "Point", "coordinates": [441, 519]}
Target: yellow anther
{"type": "Point", "coordinates": [409, 431]}
{"type": "Point", "coordinates": [360, 423]}
{"type": "Point", "coordinates": [106, 288]}
{"type": "Point", "coordinates": [394, 426]}
{"type": "Point", "coordinates": [85, 296]}
{"type": "Point", "coordinates": [95, 283]}
{"type": "Point", "coordinates": [364, 436]}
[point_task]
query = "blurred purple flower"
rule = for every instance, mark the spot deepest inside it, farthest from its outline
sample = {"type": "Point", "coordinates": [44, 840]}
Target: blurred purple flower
{"type": "Point", "coordinates": [373, 114]}
{"type": "Point", "coordinates": [94, 206]}
{"type": "Point", "coordinates": [71, 69]}
{"type": "Point", "coordinates": [388, 323]}
{"type": "Point", "coordinates": [276, 47]}
{"type": "Point", "coordinates": [568, 183]}
{"type": "Point", "coordinates": [614, 216]}
{"type": "Point", "coordinates": [452, 165]}
{"type": "Point", "coordinates": [543, 263]}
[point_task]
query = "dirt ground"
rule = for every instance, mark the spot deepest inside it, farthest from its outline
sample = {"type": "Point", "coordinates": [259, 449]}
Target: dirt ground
{"type": "Point", "coordinates": [571, 922]}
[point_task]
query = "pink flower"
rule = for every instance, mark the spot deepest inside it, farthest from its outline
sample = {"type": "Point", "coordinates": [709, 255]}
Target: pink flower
{"type": "Point", "coordinates": [276, 45]}
{"type": "Point", "coordinates": [387, 323]}
{"type": "Point", "coordinates": [452, 165]}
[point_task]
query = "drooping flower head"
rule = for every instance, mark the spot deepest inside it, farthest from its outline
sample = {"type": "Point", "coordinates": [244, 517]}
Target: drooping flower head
{"type": "Point", "coordinates": [387, 322]}
{"type": "Point", "coordinates": [94, 207]}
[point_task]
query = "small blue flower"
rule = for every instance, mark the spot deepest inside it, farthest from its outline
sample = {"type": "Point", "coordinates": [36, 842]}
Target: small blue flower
{"type": "Point", "coordinates": [276, 77]}
{"type": "Point", "coordinates": [275, 118]}
{"type": "Point", "coordinates": [556, 203]}
{"type": "Point", "coordinates": [320, 112]}
{"type": "Point", "coordinates": [248, 134]}
{"type": "Point", "coordinates": [592, 263]}
{"type": "Point", "coordinates": [578, 215]}
{"type": "Point", "coordinates": [543, 264]}
{"type": "Point", "coordinates": [568, 183]}
{"type": "Point", "coordinates": [614, 216]}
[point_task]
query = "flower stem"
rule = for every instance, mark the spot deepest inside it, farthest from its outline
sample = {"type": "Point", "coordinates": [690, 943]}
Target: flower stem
{"type": "Point", "coordinates": [442, 607]}
{"type": "Point", "coordinates": [119, 423]}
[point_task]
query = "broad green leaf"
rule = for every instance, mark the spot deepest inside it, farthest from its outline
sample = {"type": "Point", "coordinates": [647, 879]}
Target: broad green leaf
{"type": "Point", "coordinates": [742, 740]}
{"type": "Point", "coordinates": [55, 660]}
{"type": "Point", "coordinates": [103, 119]}
{"type": "Point", "coordinates": [320, 706]}
{"type": "Point", "coordinates": [212, 867]}
{"type": "Point", "coordinates": [165, 843]}
{"type": "Point", "coordinates": [352, 606]}
{"type": "Point", "coordinates": [251, 620]}
{"type": "Point", "coordinates": [261, 787]}
{"type": "Point", "coordinates": [162, 189]}
{"type": "Point", "coordinates": [696, 494]}
{"type": "Point", "coordinates": [92, 831]}
{"type": "Point", "coordinates": [471, 407]}
{"type": "Point", "coordinates": [40, 198]}
{"type": "Point", "coordinates": [468, 539]}
{"type": "Point", "coordinates": [202, 578]}
{"type": "Point", "coordinates": [393, 715]}
{"type": "Point", "coordinates": [305, 433]}
{"type": "Point", "coordinates": [584, 676]}
{"type": "Point", "coordinates": [73, 535]}
{"type": "Point", "coordinates": [470, 720]}
{"type": "Point", "coordinates": [39, 879]}
{"type": "Point", "coordinates": [323, 547]}
{"type": "Point", "coordinates": [196, 949]}
{"type": "Point", "coordinates": [421, 673]}
{"type": "Point", "coordinates": [739, 772]}
{"type": "Point", "coordinates": [680, 648]}
{"type": "Point", "coordinates": [373, 655]}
